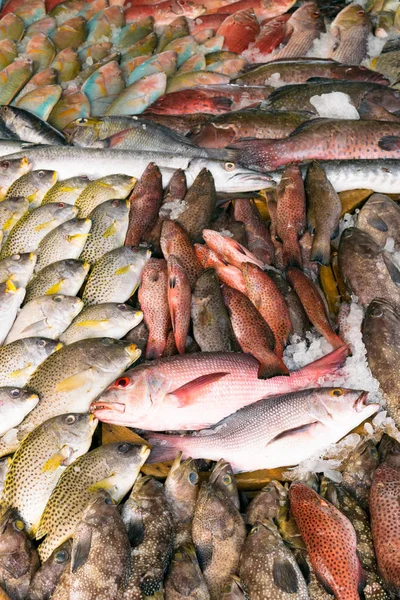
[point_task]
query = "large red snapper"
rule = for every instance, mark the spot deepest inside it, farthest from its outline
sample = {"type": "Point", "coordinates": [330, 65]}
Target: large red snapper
{"type": "Point", "coordinates": [197, 390]}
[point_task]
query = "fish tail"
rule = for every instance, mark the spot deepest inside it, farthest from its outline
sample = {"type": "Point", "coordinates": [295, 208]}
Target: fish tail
{"type": "Point", "coordinates": [256, 154]}
{"type": "Point", "coordinates": [390, 143]}
{"type": "Point", "coordinates": [272, 367]}
{"type": "Point", "coordinates": [155, 348]}
{"type": "Point", "coordinates": [327, 365]}
{"type": "Point", "coordinates": [164, 447]}
{"type": "Point", "coordinates": [321, 251]}
{"type": "Point", "coordinates": [334, 340]}
{"type": "Point", "coordinates": [292, 254]}
{"type": "Point", "coordinates": [225, 154]}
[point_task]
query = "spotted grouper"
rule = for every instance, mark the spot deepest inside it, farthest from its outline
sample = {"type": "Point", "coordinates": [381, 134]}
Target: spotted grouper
{"type": "Point", "coordinates": [331, 542]}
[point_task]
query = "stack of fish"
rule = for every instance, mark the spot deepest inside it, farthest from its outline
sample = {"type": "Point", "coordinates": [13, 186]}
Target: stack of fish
{"type": "Point", "coordinates": [173, 182]}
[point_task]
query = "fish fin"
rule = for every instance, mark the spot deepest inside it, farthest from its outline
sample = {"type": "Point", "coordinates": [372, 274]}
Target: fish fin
{"type": "Point", "coordinates": [78, 236]}
{"type": "Point", "coordinates": [10, 287]}
{"type": "Point", "coordinates": [76, 381]}
{"type": "Point", "coordinates": [43, 225]}
{"type": "Point", "coordinates": [123, 270]}
{"type": "Point", "coordinates": [155, 348]}
{"type": "Point", "coordinates": [9, 224]}
{"type": "Point", "coordinates": [188, 393]}
{"type": "Point", "coordinates": [101, 323]}
{"type": "Point", "coordinates": [377, 223]}
{"type": "Point", "coordinates": [81, 548]}
{"type": "Point", "coordinates": [27, 371]}
{"type": "Point", "coordinates": [321, 251]}
{"type": "Point", "coordinates": [392, 268]}
{"type": "Point", "coordinates": [164, 447]}
{"type": "Point", "coordinates": [272, 368]}
{"type": "Point", "coordinates": [34, 329]}
{"type": "Point", "coordinates": [57, 460]}
{"type": "Point", "coordinates": [285, 576]}
{"type": "Point", "coordinates": [135, 530]}
{"type": "Point", "coordinates": [223, 154]}
{"type": "Point", "coordinates": [113, 228]}
{"type": "Point", "coordinates": [204, 553]}
{"type": "Point", "coordinates": [105, 484]}
{"type": "Point", "coordinates": [55, 289]}
{"type": "Point", "coordinates": [389, 143]}
{"type": "Point", "coordinates": [327, 365]}
{"type": "Point", "coordinates": [319, 80]}
{"type": "Point", "coordinates": [294, 432]}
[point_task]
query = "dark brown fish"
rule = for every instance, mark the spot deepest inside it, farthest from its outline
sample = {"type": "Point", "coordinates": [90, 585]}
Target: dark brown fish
{"type": "Point", "coordinates": [145, 202]}
{"type": "Point", "coordinates": [384, 508]}
{"type": "Point", "coordinates": [181, 491]}
{"type": "Point", "coordinates": [18, 558]}
{"type": "Point", "coordinates": [100, 552]}
{"type": "Point", "coordinates": [218, 535]}
{"type": "Point", "coordinates": [253, 332]}
{"type": "Point", "coordinates": [47, 577]}
{"type": "Point", "coordinates": [199, 205]}
{"type": "Point", "coordinates": [389, 451]}
{"type": "Point", "coordinates": [380, 218]}
{"type": "Point", "coordinates": [267, 503]}
{"type": "Point", "coordinates": [222, 479]}
{"type": "Point", "coordinates": [330, 540]}
{"type": "Point", "coordinates": [381, 336]}
{"type": "Point", "coordinates": [185, 579]}
{"type": "Point", "coordinates": [291, 214]}
{"type": "Point", "coordinates": [258, 236]}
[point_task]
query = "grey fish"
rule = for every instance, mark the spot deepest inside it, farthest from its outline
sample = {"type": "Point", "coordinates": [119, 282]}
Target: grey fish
{"type": "Point", "coordinates": [18, 558]}
{"type": "Point", "coordinates": [18, 267]}
{"type": "Point", "coordinates": [181, 490]}
{"type": "Point", "coordinates": [199, 205]}
{"type": "Point", "coordinates": [108, 319]}
{"type": "Point", "coordinates": [111, 467]}
{"type": "Point", "coordinates": [20, 359]}
{"type": "Point", "coordinates": [100, 551]}
{"type": "Point", "coordinates": [380, 218]}
{"type": "Point", "coordinates": [368, 270]}
{"type": "Point", "coordinates": [212, 328]}
{"type": "Point", "coordinates": [109, 226]}
{"type": "Point", "coordinates": [45, 580]}
{"type": "Point", "coordinates": [61, 277]}
{"type": "Point", "coordinates": [185, 579]}
{"type": "Point", "coordinates": [10, 169]}
{"type": "Point", "coordinates": [64, 242]}
{"type": "Point", "coordinates": [269, 427]}
{"type": "Point", "coordinates": [380, 332]}
{"type": "Point", "coordinates": [29, 231]}
{"type": "Point", "coordinates": [218, 535]}
{"type": "Point", "coordinates": [11, 211]}
{"type": "Point", "coordinates": [40, 461]}
{"type": "Point", "coordinates": [116, 276]}
{"type": "Point", "coordinates": [268, 569]}
{"type": "Point", "coordinates": [28, 127]}
{"type": "Point", "coordinates": [33, 186]}
{"type": "Point", "coordinates": [70, 379]}
{"type": "Point", "coordinates": [45, 316]}
{"type": "Point", "coordinates": [148, 520]}
{"type": "Point", "coordinates": [100, 162]}
{"type": "Point", "coordinates": [15, 404]}
{"type": "Point", "coordinates": [11, 299]}
{"type": "Point", "coordinates": [67, 191]}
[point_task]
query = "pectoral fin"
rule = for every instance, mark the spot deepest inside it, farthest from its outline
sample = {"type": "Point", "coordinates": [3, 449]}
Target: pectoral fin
{"type": "Point", "coordinates": [285, 576]}
{"type": "Point", "coordinates": [76, 381]}
{"type": "Point", "coordinates": [295, 432]}
{"type": "Point", "coordinates": [35, 328]}
{"type": "Point", "coordinates": [56, 288]}
{"type": "Point", "coordinates": [57, 460]}
{"type": "Point", "coordinates": [106, 484]}
{"type": "Point", "coordinates": [81, 548]}
{"type": "Point", "coordinates": [189, 392]}
{"type": "Point", "coordinates": [91, 324]}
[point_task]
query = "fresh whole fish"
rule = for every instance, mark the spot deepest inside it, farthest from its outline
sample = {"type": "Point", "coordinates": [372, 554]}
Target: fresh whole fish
{"type": "Point", "coordinates": [227, 274]}
{"type": "Point", "coordinates": [67, 191]}
{"type": "Point", "coordinates": [45, 316]}
{"type": "Point", "coordinates": [40, 461]}
{"type": "Point", "coordinates": [291, 214]}
{"type": "Point", "coordinates": [379, 217]}
{"type": "Point", "coordinates": [47, 577]}
{"type": "Point", "coordinates": [174, 240]}
{"type": "Point", "coordinates": [11, 169]}
{"type": "Point", "coordinates": [115, 277]}
{"type": "Point", "coordinates": [64, 242]}
{"type": "Point", "coordinates": [350, 29]}
{"type": "Point", "coordinates": [179, 301]}
{"type": "Point", "coordinates": [108, 319]}
{"type": "Point", "coordinates": [218, 535]}
{"type": "Point", "coordinates": [181, 490]}
{"type": "Point", "coordinates": [100, 551]}
{"type": "Point", "coordinates": [28, 127]}
{"type": "Point", "coordinates": [199, 205]}
{"type": "Point", "coordinates": [18, 267]}
{"type": "Point", "coordinates": [266, 504]}
{"type": "Point", "coordinates": [32, 186]}
{"type": "Point", "coordinates": [185, 579]}
{"type": "Point", "coordinates": [303, 26]}
{"type": "Point", "coordinates": [11, 299]}
{"type": "Point", "coordinates": [257, 234]}
{"type": "Point", "coordinates": [222, 479]}
{"type": "Point", "coordinates": [278, 431]}
{"type": "Point", "coordinates": [112, 468]}
{"type": "Point", "coordinates": [111, 187]}
{"type": "Point", "coordinates": [61, 277]}
{"type": "Point", "coordinates": [20, 359]}
{"type": "Point", "coordinates": [15, 404]}
{"type": "Point", "coordinates": [206, 387]}
{"type": "Point", "coordinates": [145, 202]}
{"type": "Point", "coordinates": [70, 379]}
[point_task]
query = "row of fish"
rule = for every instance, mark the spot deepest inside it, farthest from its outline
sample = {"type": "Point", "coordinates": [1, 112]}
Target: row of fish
{"type": "Point", "coordinates": [192, 539]}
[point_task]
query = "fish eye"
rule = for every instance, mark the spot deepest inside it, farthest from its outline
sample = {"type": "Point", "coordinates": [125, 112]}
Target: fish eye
{"type": "Point", "coordinates": [227, 479]}
{"type": "Point", "coordinates": [315, 14]}
{"type": "Point", "coordinates": [42, 343]}
{"type": "Point", "coordinates": [178, 556]}
{"type": "Point", "coordinates": [69, 419]}
{"type": "Point", "coordinates": [5, 164]}
{"type": "Point", "coordinates": [41, 173]}
{"type": "Point", "coordinates": [336, 392]}
{"type": "Point", "coordinates": [227, 588]}
{"type": "Point", "coordinates": [124, 448]}
{"type": "Point", "coordinates": [108, 500]}
{"type": "Point", "coordinates": [115, 203]}
{"type": "Point", "coordinates": [230, 166]}
{"type": "Point", "coordinates": [57, 298]}
{"type": "Point", "coordinates": [19, 525]}
{"type": "Point", "coordinates": [82, 121]}
{"type": "Point", "coordinates": [16, 257]}
{"type": "Point", "coordinates": [122, 307]}
{"type": "Point", "coordinates": [254, 530]}
{"type": "Point", "coordinates": [360, 12]}
{"type": "Point", "coordinates": [61, 556]}
{"type": "Point", "coordinates": [61, 204]}
{"type": "Point", "coordinates": [122, 382]}
{"type": "Point", "coordinates": [377, 312]}
{"type": "Point", "coordinates": [193, 478]}
{"type": "Point", "coordinates": [15, 393]}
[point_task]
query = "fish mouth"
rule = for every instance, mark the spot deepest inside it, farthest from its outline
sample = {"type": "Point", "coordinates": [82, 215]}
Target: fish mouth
{"type": "Point", "coordinates": [114, 406]}
{"type": "Point", "coordinates": [362, 402]}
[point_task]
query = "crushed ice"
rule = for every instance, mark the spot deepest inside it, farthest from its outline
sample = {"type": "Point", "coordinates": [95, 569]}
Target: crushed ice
{"type": "Point", "coordinates": [172, 210]}
{"type": "Point", "coordinates": [335, 105]}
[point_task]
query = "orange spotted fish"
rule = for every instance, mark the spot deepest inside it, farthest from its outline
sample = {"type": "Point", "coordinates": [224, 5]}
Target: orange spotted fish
{"type": "Point", "coordinates": [179, 301]}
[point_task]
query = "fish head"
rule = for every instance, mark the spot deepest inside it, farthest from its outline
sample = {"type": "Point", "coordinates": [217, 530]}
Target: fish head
{"type": "Point", "coordinates": [380, 313]}
{"type": "Point", "coordinates": [350, 16]}
{"type": "Point", "coordinates": [388, 98]}
{"type": "Point", "coordinates": [146, 491]}
{"type": "Point", "coordinates": [74, 433]}
{"type": "Point", "coordinates": [268, 503]}
{"type": "Point", "coordinates": [303, 497]}
{"type": "Point", "coordinates": [229, 176]}
{"type": "Point", "coordinates": [124, 460]}
{"type": "Point", "coordinates": [354, 240]}
{"type": "Point", "coordinates": [14, 167]}
{"type": "Point", "coordinates": [59, 558]}
{"type": "Point", "coordinates": [336, 407]}
{"type": "Point", "coordinates": [233, 589]}
{"type": "Point", "coordinates": [183, 478]}
{"type": "Point", "coordinates": [263, 537]}
{"type": "Point", "coordinates": [14, 397]}
{"type": "Point", "coordinates": [306, 17]}
{"type": "Point", "coordinates": [44, 180]}
{"type": "Point", "coordinates": [131, 396]}
{"type": "Point", "coordinates": [36, 349]}
{"type": "Point", "coordinates": [389, 451]}
{"type": "Point", "coordinates": [99, 508]}
{"type": "Point", "coordinates": [13, 539]}
{"type": "Point", "coordinates": [222, 478]}
{"type": "Point", "coordinates": [22, 263]}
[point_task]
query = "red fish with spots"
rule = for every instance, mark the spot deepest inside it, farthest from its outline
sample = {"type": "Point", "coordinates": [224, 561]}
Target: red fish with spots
{"type": "Point", "coordinates": [324, 139]}
{"type": "Point", "coordinates": [331, 542]}
{"type": "Point", "coordinates": [179, 300]}
{"type": "Point", "coordinates": [227, 274]}
{"type": "Point", "coordinates": [291, 214]}
{"type": "Point", "coordinates": [384, 503]}
{"type": "Point", "coordinates": [239, 30]}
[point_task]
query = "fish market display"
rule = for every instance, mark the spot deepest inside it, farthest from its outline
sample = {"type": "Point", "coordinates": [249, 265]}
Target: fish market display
{"type": "Point", "coordinates": [199, 299]}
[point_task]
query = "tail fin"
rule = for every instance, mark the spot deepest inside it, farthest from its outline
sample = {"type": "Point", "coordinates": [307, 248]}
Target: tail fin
{"type": "Point", "coordinates": [164, 447]}
{"type": "Point", "coordinates": [321, 251]}
{"type": "Point", "coordinates": [325, 366]}
{"type": "Point", "coordinates": [224, 154]}
{"type": "Point", "coordinates": [256, 154]}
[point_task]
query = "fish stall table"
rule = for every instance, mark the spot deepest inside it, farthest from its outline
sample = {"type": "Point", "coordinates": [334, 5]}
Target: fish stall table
{"type": "Point", "coordinates": [199, 300]}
